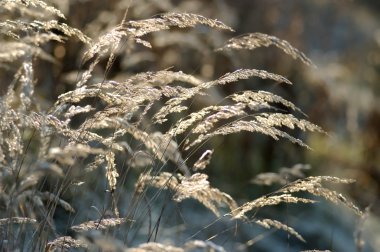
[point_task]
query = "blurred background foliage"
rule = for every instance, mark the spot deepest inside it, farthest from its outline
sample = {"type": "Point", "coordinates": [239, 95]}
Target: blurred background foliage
{"type": "Point", "coordinates": [341, 94]}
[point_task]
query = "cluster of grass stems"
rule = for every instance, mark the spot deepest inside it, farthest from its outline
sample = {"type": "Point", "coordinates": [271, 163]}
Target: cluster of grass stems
{"type": "Point", "coordinates": [144, 134]}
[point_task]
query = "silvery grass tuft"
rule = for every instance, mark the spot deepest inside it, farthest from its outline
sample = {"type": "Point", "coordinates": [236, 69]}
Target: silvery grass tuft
{"type": "Point", "coordinates": [120, 126]}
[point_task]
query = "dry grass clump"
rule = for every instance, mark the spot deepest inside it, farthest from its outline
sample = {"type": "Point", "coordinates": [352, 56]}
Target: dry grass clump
{"type": "Point", "coordinates": [110, 127]}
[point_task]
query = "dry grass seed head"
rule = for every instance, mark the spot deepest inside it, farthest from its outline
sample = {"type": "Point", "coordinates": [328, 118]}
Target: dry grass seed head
{"type": "Point", "coordinates": [161, 78]}
{"type": "Point", "coordinates": [13, 51]}
{"type": "Point", "coordinates": [203, 160]}
{"type": "Point", "coordinates": [314, 186]}
{"type": "Point", "coordinates": [169, 150]}
{"type": "Point", "coordinates": [282, 177]}
{"type": "Point", "coordinates": [254, 100]}
{"type": "Point", "coordinates": [260, 99]}
{"type": "Point", "coordinates": [206, 245]}
{"type": "Point", "coordinates": [109, 42]}
{"type": "Point", "coordinates": [249, 126]}
{"type": "Point", "coordinates": [196, 187]}
{"type": "Point", "coordinates": [316, 250]}
{"type": "Point", "coordinates": [174, 104]}
{"type": "Point", "coordinates": [156, 247]}
{"type": "Point", "coordinates": [11, 5]}
{"type": "Point", "coordinates": [168, 20]}
{"type": "Point", "coordinates": [69, 154]}
{"type": "Point", "coordinates": [52, 198]}
{"type": "Point", "coordinates": [17, 220]}
{"type": "Point", "coordinates": [111, 172]}
{"type": "Point", "coordinates": [64, 242]}
{"type": "Point", "coordinates": [220, 113]}
{"type": "Point", "coordinates": [13, 27]}
{"type": "Point", "coordinates": [269, 223]}
{"type": "Point", "coordinates": [193, 245]}
{"type": "Point", "coordinates": [268, 178]}
{"type": "Point", "coordinates": [255, 40]}
{"type": "Point", "coordinates": [99, 224]}
{"type": "Point", "coordinates": [267, 201]}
